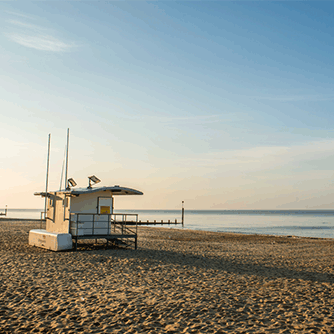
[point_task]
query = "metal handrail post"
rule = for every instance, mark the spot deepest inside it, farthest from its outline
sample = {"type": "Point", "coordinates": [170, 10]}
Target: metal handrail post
{"type": "Point", "coordinates": [77, 232]}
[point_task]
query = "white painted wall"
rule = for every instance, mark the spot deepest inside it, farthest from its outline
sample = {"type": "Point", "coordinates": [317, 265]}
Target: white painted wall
{"type": "Point", "coordinates": [88, 203]}
{"type": "Point", "coordinates": [56, 221]}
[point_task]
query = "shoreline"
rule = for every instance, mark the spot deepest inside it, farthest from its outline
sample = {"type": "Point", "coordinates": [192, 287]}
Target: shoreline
{"type": "Point", "coordinates": [21, 219]}
{"type": "Point", "coordinates": [261, 234]}
{"type": "Point", "coordinates": [178, 281]}
{"type": "Point", "coordinates": [4, 219]}
{"type": "Point", "coordinates": [319, 225]}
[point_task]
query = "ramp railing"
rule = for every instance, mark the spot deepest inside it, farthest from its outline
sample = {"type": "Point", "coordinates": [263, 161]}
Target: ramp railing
{"type": "Point", "coordinates": [93, 224]}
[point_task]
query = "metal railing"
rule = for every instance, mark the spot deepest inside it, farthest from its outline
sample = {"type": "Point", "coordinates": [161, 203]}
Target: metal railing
{"type": "Point", "coordinates": [93, 224]}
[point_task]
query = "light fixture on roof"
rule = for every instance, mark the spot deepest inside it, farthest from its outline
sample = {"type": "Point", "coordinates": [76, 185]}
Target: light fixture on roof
{"type": "Point", "coordinates": [71, 182]}
{"type": "Point", "coordinates": [93, 179]}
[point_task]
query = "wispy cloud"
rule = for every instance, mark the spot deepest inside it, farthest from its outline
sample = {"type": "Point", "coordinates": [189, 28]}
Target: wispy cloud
{"type": "Point", "coordinates": [200, 119]}
{"type": "Point", "coordinates": [25, 25]}
{"type": "Point", "coordinates": [40, 42]}
{"type": "Point", "coordinates": [195, 118]}
{"type": "Point", "coordinates": [294, 98]}
{"type": "Point", "coordinates": [262, 158]}
{"type": "Point", "coordinates": [171, 118]}
{"type": "Point", "coordinates": [35, 37]}
{"type": "Point", "coordinates": [18, 14]}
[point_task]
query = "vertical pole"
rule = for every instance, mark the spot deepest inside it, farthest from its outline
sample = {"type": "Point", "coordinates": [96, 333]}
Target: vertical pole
{"type": "Point", "coordinates": [69, 221]}
{"type": "Point", "coordinates": [66, 170]}
{"type": "Point", "coordinates": [136, 237]}
{"type": "Point", "coordinates": [47, 177]}
{"type": "Point", "coordinates": [6, 211]}
{"type": "Point", "coordinates": [66, 181]}
{"type": "Point", "coordinates": [182, 214]}
{"type": "Point", "coordinates": [77, 225]}
{"type": "Point", "coordinates": [62, 170]}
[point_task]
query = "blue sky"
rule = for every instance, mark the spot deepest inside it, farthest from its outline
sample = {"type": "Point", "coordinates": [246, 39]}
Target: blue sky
{"type": "Point", "coordinates": [225, 105]}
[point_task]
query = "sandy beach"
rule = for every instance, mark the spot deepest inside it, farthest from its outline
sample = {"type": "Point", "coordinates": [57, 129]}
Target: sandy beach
{"type": "Point", "coordinates": [178, 281]}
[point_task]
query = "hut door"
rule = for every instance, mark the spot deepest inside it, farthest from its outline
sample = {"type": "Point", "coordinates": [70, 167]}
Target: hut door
{"type": "Point", "coordinates": [104, 205]}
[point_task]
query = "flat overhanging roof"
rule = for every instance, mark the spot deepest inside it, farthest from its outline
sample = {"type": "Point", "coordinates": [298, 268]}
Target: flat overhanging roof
{"type": "Point", "coordinates": [115, 190]}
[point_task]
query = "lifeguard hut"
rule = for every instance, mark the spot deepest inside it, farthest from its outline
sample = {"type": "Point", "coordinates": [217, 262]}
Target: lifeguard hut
{"type": "Point", "coordinates": [85, 213]}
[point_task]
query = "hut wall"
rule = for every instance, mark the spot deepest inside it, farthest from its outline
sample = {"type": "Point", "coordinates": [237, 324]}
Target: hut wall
{"type": "Point", "coordinates": [88, 203]}
{"type": "Point", "coordinates": [56, 221]}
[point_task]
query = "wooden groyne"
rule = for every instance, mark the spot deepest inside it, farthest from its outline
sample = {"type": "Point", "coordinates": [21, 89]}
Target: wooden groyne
{"type": "Point", "coordinates": [155, 222]}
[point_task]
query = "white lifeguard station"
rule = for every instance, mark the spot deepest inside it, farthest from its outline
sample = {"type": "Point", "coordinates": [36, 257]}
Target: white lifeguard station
{"type": "Point", "coordinates": [84, 213]}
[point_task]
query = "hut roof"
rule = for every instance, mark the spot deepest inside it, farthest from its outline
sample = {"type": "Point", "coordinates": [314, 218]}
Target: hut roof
{"type": "Point", "coordinates": [115, 190]}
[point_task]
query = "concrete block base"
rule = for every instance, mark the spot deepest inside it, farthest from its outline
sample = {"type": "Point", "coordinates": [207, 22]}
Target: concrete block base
{"type": "Point", "coordinates": [50, 240]}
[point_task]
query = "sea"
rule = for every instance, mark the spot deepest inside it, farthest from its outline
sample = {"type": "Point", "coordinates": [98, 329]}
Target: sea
{"type": "Point", "coordinates": [303, 223]}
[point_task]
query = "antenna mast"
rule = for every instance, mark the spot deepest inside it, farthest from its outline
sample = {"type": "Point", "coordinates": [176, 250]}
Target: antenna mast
{"type": "Point", "coordinates": [47, 175]}
{"type": "Point", "coordinates": [66, 169]}
{"type": "Point", "coordinates": [62, 170]}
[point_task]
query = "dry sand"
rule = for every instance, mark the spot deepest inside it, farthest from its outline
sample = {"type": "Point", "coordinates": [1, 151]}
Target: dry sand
{"type": "Point", "coordinates": [178, 281]}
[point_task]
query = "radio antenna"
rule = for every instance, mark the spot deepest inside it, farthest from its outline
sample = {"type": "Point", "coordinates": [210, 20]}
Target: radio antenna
{"type": "Point", "coordinates": [47, 175]}
{"type": "Point", "coordinates": [62, 169]}
{"type": "Point", "coordinates": [67, 146]}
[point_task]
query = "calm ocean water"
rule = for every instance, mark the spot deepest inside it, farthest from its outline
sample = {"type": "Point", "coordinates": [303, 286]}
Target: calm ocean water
{"type": "Point", "coordinates": [304, 223]}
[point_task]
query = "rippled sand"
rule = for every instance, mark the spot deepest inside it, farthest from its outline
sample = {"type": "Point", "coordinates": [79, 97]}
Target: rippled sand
{"type": "Point", "coordinates": [178, 281]}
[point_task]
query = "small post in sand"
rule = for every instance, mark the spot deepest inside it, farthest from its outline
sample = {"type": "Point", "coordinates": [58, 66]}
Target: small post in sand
{"type": "Point", "coordinates": [4, 214]}
{"type": "Point", "coordinates": [182, 214]}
